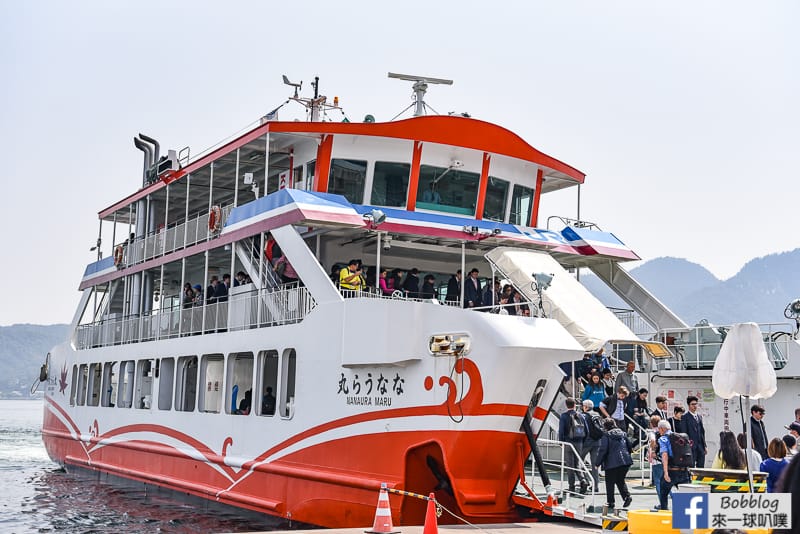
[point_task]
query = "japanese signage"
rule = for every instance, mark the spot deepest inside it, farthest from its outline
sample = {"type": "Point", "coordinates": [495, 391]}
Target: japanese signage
{"type": "Point", "coordinates": [370, 389]}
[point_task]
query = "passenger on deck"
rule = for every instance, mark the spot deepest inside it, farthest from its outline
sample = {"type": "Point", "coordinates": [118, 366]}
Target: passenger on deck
{"type": "Point", "coordinates": [428, 290]}
{"type": "Point", "coordinates": [385, 283]}
{"type": "Point", "coordinates": [198, 295]}
{"type": "Point", "coordinates": [454, 288]}
{"type": "Point", "coordinates": [397, 279]}
{"type": "Point", "coordinates": [350, 277]}
{"type": "Point", "coordinates": [491, 296]}
{"type": "Point", "coordinates": [472, 290]}
{"type": "Point", "coordinates": [246, 403]}
{"type": "Point", "coordinates": [613, 407]}
{"type": "Point", "coordinates": [627, 378]}
{"type": "Point", "coordinates": [615, 457]}
{"type": "Point", "coordinates": [608, 380]}
{"type": "Point", "coordinates": [285, 270]}
{"type": "Point", "coordinates": [211, 290]}
{"type": "Point", "coordinates": [268, 403]}
{"type": "Point", "coordinates": [188, 295]}
{"type": "Point", "coordinates": [272, 251]}
{"type": "Point", "coordinates": [411, 284]}
{"type": "Point", "coordinates": [239, 280]}
{"type": "Point", "coordinates": [221, 292]}
{"type": "Point", "coordinates": [594, 391]}
{"type": "Point", "coordinates": [775, 463]}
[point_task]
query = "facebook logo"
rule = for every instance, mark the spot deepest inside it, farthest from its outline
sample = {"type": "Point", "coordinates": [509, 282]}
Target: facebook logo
{"type": "Point", "coordinates": [689, 510]}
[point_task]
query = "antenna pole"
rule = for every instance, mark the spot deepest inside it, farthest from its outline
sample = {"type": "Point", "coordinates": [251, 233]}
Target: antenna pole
{"type": "Point", "coordinates": [420, 88]}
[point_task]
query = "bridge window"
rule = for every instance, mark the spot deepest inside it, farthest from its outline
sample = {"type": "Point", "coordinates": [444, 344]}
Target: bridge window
{"type": "Point", "coordinates": [521, 205]}
{"type": "Point", "coordinates": [448, 190]}
{"type": "Point", "coordinates": [390, 184]}
{"type": "Point", "coordinates": [347, 178]}
{"type": "Point", "coordinates": [494, 207]}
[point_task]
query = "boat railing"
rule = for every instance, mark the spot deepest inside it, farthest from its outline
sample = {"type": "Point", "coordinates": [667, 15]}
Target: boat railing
{"type": "Point", "coordinates": [287, 304]}
{"type": "Point", "coordinates": [170, 238]}
{"type": "Point", "coordinates": [640, 435]}
{"type": "Point", "coordinates": [697, 347]}
{"type": "Point", "coordinates": [634, 322]}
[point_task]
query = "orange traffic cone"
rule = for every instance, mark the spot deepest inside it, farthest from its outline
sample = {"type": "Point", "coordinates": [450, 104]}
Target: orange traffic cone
{"type": "Point", "coordinates": [430, 517]}
{"type": "Point", "coordinates": [383, 515]}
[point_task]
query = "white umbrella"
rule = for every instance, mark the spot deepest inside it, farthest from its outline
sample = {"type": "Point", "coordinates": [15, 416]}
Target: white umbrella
{"type": "Point", "coordinates": [743, 368]}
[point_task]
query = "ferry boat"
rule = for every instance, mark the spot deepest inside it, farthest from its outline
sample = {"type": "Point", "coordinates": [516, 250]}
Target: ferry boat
{"type": "Point", "coordinates": [297, 391]}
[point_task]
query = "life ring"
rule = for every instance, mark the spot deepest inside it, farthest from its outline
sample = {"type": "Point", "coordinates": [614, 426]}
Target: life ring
{"type": "Point", "coordinates": [214, 219]}
{"type": "Point", "coordinates": [119, 252]}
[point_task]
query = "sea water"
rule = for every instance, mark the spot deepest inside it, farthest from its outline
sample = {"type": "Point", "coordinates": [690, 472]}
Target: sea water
{"type": "Point", "coordinates": [38, 496]}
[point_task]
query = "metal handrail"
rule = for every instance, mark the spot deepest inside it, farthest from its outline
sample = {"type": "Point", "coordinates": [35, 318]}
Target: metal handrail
{"type": "Point", "coordinates": [561, 465]}
{"type": "Point", "coordinates": [639, 429]}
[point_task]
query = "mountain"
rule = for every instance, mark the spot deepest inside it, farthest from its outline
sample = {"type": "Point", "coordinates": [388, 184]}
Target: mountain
{"type": "Point", "coordinates": [759, 292]}
{"type": "Point", "coordinates": [23, 348]}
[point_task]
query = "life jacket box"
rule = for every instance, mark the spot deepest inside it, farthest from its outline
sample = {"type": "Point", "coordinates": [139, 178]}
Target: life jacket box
{"type": "Point", "coordinates": [647, 522]}
{"type": "Point", "coordinates": [729, 480]}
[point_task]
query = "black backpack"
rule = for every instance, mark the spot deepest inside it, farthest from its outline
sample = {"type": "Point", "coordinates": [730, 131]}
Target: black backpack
{"type": "Point", "coordinates": [595, 428]}
{"type": "Point", "coordinates": [681, 450]}
{"type": "Point", "coordinates": [577, 429]}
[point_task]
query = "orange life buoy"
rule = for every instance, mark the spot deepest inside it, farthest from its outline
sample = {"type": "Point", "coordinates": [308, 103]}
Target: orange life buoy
{"type": "Point", "coordinates": [214, 218]}
{"type": "Point", "coordinates": [118, 254]}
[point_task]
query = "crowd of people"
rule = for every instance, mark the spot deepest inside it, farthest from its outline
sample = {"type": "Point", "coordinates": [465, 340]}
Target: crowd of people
{"type": "Point", "coordinates": [217, 290]}
{"type": "Point", "coordinates": [601, 433]}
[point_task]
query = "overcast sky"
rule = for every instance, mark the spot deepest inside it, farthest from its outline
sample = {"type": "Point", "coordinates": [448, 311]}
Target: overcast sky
{"type": "Point", "coordinates": [683, 115]}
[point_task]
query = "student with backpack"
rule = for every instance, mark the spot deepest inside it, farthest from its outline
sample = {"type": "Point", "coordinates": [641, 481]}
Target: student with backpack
{"type": "Point", "coordinates": [675, 450]}
{"type": "Point", "coordinates": [572, 428]}
{"type": "Point", "coordinates": [591, 445]}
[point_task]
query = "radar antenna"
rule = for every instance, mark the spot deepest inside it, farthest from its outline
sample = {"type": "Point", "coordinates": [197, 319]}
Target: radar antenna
{"type": "Point", "coordinates": [420, 87]}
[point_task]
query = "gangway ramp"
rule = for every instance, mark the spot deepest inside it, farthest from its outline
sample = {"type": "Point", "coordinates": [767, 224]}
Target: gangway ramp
{"type": "Point", "coordinates": [567, 301]}
{"type": "Point", "coordinates": [637, 297]}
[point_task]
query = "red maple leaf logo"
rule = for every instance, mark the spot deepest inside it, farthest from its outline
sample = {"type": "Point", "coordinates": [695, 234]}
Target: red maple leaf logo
{"type": "Point", "coordinates": [62, 383]}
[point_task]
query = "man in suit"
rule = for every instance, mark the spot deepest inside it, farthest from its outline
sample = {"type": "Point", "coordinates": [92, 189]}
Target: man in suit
{"type": "Point", "coordinates": [472, 290]}
{"type": "Point", "coordinates": [454, 288]}
{"type": "Point", "coordinates": [758, 431]}
{"type": "Point", "coordinates": [661, 408]}
{"type": "Point", "coordinates": [696, 432]}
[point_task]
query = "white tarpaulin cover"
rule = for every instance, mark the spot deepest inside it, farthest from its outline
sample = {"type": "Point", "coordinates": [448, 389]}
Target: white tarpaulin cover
{"type": "Point", "coordinates": [742, 367]}
{"type": "Point", "coordinates": [566, 300]}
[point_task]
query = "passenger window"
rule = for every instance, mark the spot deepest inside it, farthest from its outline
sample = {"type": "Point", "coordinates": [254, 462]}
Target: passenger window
{"type": "Point", "coordinates": [347, 178]}
{"type": "Point", "coordinates": [186, 388]}
{"type": "Point", "coordinates": [494, 207]}
{"type": "Point", "coordinates": [144, 384]}
{"type": "Point", "coordinates": [83, 374]}
{"type": "Point", "coordinates": [125, 389]}
{"type": "Point", "coordinates": [211, 376]}
{"type": "Point", "coordinates": [240, 383]}
{"type": "Point", "coordinates": [521, 205]}
{"type": "Point", "coordinates": [390, 184]}
{"type": "Point", "coordinates": [109, 384]}
{"type": "Point", "coordinates": [268, 379]}
{"type": "Point", "coordinates": [74, 388]}
{"type": "Point", "coordinates": [288, 376]}
{"type": "Point", "coordinates": [447, 189]}
{"type": "Point", "coordinates": [95, 376]}
{"type": "Point", "coordinates": [166, 379]}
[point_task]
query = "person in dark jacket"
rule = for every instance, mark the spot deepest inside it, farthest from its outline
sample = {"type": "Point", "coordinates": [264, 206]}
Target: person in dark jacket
{"type": "Point", "coordinates": [613, 407]}
{"type": "Point", "coordinates": [615, 457]}
{"type": "Point", "coordinates": [454, 288]}
{"type": "Point", "coordinates": [473, 293]}
{"type": "Point", "coordinates": [567, 434]}
{"type": "Point", "coordinates": [428, 290]}
{"type": "Point", "coordinates": [696, 432]}
{"type": "Point", "coordinates": [411, 284]}
{"type": "Point", "coordinates": [676, 421]}
{"type": "Point", "coordinates": [758, 431]}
